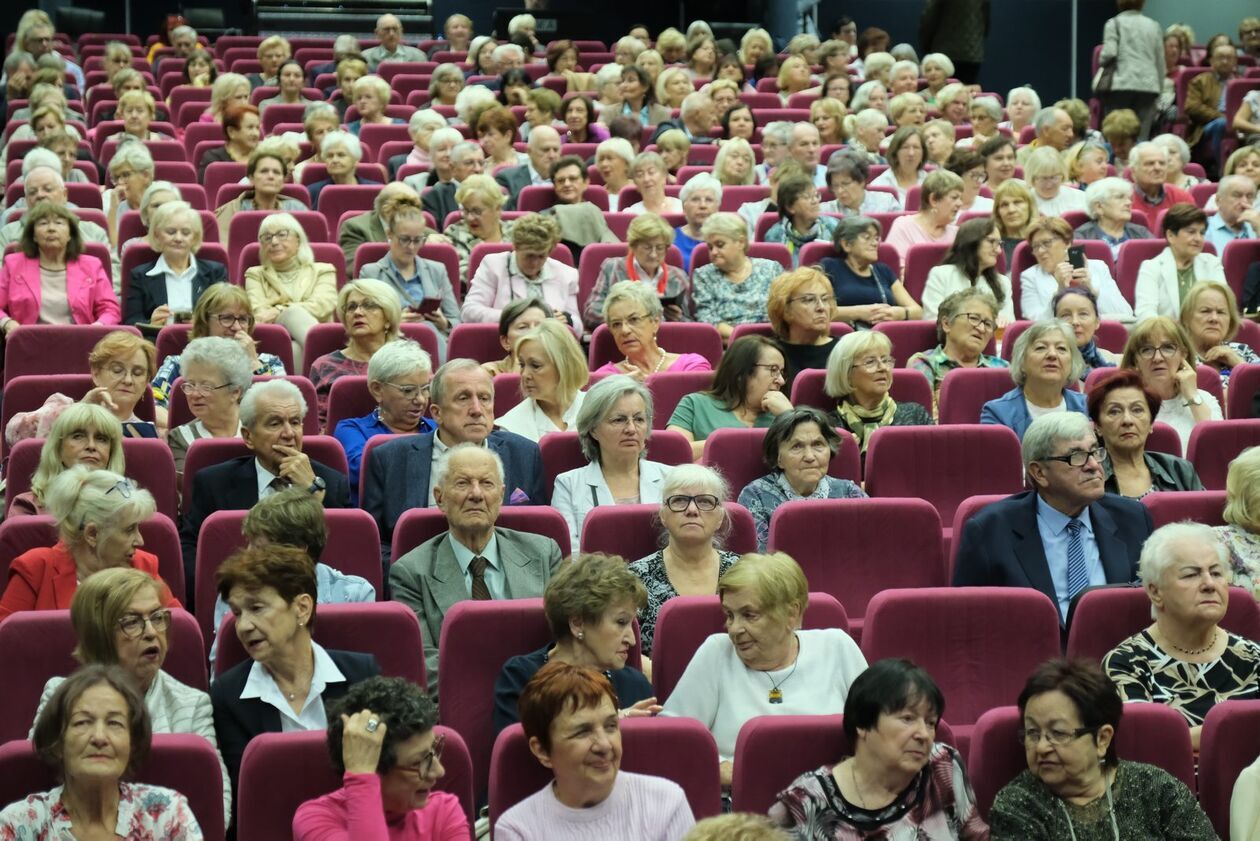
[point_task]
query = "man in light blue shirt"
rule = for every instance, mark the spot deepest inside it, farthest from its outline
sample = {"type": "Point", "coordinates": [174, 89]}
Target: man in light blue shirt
{"type": "Point", "coordinates": [1236, 216]}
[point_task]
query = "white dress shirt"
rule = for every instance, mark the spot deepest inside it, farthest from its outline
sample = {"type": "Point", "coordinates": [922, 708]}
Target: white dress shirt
{"type": "Point", "coordinates": [528, 420]}
{"type": "Point", "coordinates": [179, 286]}
{"type": "Point", "coordinates": [261, 685]}
{"type": "Point", "coordinates": [496, 581]}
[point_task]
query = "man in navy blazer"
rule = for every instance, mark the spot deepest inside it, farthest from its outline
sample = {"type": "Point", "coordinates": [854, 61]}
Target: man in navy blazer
{"type": "Point", "coordinates": [543, 149]}
{"type": "Point", "coordinates": [271, 424]}
{"type": "Point", "coordinates": [1025, 540]}
{"type": "Point", "coordinates": [399, 474]}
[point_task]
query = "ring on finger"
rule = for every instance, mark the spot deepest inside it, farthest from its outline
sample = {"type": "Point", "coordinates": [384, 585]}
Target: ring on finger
{"type": "Point", "coordinates": [373, 724]}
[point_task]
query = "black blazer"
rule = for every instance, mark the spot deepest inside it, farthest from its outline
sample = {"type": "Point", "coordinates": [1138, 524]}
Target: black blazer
{"type": "Point", "coordinates": [233, 486]}
{"type": "Point", "coordinates": [148, 292]}
{"type": "Point", "coordinates": [237, 720]}
{"type": "Point", "coordinates": [514, 179]}
{"type": "Point", "coordinates": [440, 200]}
{"type": "Point", "coordinates": [1001, 547]}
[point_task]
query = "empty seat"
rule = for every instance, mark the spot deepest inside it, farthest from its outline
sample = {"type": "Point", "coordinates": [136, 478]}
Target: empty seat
{"type": "Point", "coordinates": [965, 391]}
{"type": "Point", "coordinates": [1214, 445]}
{"type": "Point", "coordinates": [475, 341]}
{"type": "Point", "coordinates": [1207, 507]}
{"type": "Point", "coordinates": [1229, 743]}
{"type": "Point", "coordinates": [632, 531]}
{"type": "Point", "coordinates": [1104, 617]}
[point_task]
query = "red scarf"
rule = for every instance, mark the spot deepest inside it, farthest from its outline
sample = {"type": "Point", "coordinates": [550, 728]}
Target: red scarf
{"type": "Point", "coordinates": [633, 275]}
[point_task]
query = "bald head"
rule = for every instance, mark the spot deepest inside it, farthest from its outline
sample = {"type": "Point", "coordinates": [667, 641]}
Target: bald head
{"type": "Point", "coordinates": [544, 149]}
{"type": "Point", "coordinates": [389, 30]}
{"type": "Point", "coordinates": [806, 145]}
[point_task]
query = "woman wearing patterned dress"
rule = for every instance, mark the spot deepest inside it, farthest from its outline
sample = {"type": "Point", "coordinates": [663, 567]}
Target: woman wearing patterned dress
{"type": "Point", "coordinates": [1241, 534]}
{"type": "Point", "coordinates": [732, 288]}
{"type": "Point", "coordinates": [371, 312]}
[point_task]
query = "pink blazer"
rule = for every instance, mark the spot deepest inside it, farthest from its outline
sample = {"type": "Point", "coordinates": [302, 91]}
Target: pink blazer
{"type": "Point", "coordinates": [88, 287]}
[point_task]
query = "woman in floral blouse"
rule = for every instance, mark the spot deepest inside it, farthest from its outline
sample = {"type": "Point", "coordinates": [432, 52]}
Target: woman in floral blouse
{"type": "Point", "coordinates": [732, 288]}
{"type": "Point", "coordinates": [1241, 534]}
{"type": "Point", "coordinates": [371, 312]}
{"type": "Point", "coordinates": [93, 731]}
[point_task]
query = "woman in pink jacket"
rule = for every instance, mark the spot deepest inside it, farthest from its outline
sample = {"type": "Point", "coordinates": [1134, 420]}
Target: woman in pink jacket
{"type": "Point", "coordinates": [525, 272]}
{"type": "Point", "coordinates": [50, 280]}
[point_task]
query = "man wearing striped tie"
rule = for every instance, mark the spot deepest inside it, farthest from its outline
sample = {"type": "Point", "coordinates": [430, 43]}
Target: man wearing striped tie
{"type": "Point", "coordinates": [1066, 533]}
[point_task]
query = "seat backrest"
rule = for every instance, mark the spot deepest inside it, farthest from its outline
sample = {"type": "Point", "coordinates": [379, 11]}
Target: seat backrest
{"type": "Point", "coordinates": [678, 336]}
{"type": "Point", "coordinates": [1104, 617]}
{"type": "Point", "coordinates": [27, 393]}
{"type": "Point", "coordinates": [336, 199]}
{"type": "Point", "coordinates": [1214, 445]}
{"type": "Point", "coordinates": [631, 531]}
{"type": "Point", "coordinates": [965, 510]}
{"type": "Point", "coordinates": [562, 452]}
{"type": "Point", "coordinates": [909, 338]}
{"type": "Point", "coordinates": [148, 463]}
{"type": "Point", "coordinates": [678, 749]}
{"type": "Point", "coordinates": [908, 386]}
{"type": "Point", "coordinates": [326, 338]}
{"type": "Point", "coordinates": [324, 252]}
{"type": "Point", "coordinates": [1207, 507]}
{"type": "Point", "coordinates": [475, 341]}
{"type": "Point", "coordinates": [775, 251]}
{"type": "Point", "coordinates": [1133, 253]}
{"type": "Point", "coordinates": [736, 454]}
{"type": "Point", "coordinates": [1237, 257]}
{"type": "Point", "coordinates": [965, 391]}
{"type": "Point", "coordinates": [669, 387]}
{"type": "Point", "coordinates": [1230, 742]}
{"type": "Point", "coordinates": [417, 525]}
{"type": "Point", "coordinates": [270, 792]}
{"type": "Point", "coordinates": [997, 636]}
{"type": "Point", "coordinates": [940, 464]}
{"type": "Point", "coordinates": [178, 412]}
{"type": "Point", "coordinates": [349, 397]}
{"type": "Point", "coordinates": [685, 622]}
{"type": "Point", "coordinates": [1164, 439]}
{"type": "Point", "coordinates": [205, 452]}
{"type": "Point", "coordinates": [54, 348]}
{"type": "Point", "coordinates": [271, 338]}
{"type": "Point", "coordinates": [920, 259]}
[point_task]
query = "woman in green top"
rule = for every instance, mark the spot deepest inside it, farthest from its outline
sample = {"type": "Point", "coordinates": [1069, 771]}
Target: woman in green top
{"type": "Point", "coordinates": [746, 392]}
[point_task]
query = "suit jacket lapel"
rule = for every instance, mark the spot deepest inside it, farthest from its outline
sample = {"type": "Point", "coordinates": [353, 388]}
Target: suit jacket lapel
{"type": "Point", "coordinates": [201, 281]}
{"type": "Point", "coordinates": [65, 579]}
{"type": "Point", "coordinates": [593, 477]}
{"type": "Point", "coordinates": [419, 462]}
{"type": "Point", "coordinates": [448, 579]}
{"type": "Point", "coordinates": [77, 290]}
{"type": "Point", "coordinates": [1112, 552]}
{"type": "Point", "coordinates": [244, 485]}
{"type": "Point", "coordinates": [1030, 554]}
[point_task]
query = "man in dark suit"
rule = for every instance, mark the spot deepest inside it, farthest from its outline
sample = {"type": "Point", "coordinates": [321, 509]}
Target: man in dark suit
{"type": "Point", "coordinates": [271, 424]}
{"type": "Point", "coordinates": [475, 558]}
{"type": "Point", "coordinates": [467, 158]}
{"type": "Point", "coordinates": [695, 119]}
{"type": "Point", "coordinates": [399, 475]}
{"type": "Point", "coordinates": [1064, 535]}
{"type": "Point", "coordinates": [543, 150]}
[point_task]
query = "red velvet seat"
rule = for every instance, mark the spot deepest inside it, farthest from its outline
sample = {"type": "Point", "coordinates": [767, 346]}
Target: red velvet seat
{"type": "Point", "coordinates": [336, 199]}
{"type": "Point", "coordinates": [668, 388]}
{"type": "Point", "coordinates": [1214, 445]}
{"type": "Point", "coordinates": [1230, 742]}
{"type": "Point", "coordinates": [271, 338]}
{"type": "Point", "coordinates": [909, 338]}
{"type": "Point", "coordinates": [326, 338]}
{"type": "Point", "coordinates": [535, 198]}
{"type": "Point", "coordinates": [418, 525]}
{"type": "Point", "coordinates": [964, 512]}
{"type": "Point", "coordinates": [562, 452]}
{"type": "Point", "coordinates": [349, 397]}
{"type": "Point", "coordinates": [1133, 254]}
{"type": "Point", "coordinates": [965, 391]}
{"type": "Point", "coordinates": [54, 348]}
{"type": "Point", "coordinates": [1244, 382]}
{"type": "Point", "coordinates": [1207, 507]}
{"type": "Point", "coordinates": [1237, 257]}
{"type": "Point", "coordinates": [921, 258]}
{"type": "Point", "coordinates": [1104, 617]}
{"type": "Point", "coordinates": [908, 386]}
{"type": "Point", "coordinates": [475, 341]}
{"type": "Point", "coordinates": [631, 531]}
{"type": "Point", "coordinates": [776, 251]}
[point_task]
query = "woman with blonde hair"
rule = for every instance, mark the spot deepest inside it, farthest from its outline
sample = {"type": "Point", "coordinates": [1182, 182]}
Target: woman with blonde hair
{"type": "Point", "coordinates": [553, 371]}
{"type": "Point", "coordinates": [1241, 532]}
{"type": "Point", "coordinates": [907, 109]}
{"type": "Point", "coordinates": [755, 45]}
{"type": "Point", "coordinates": [828, 115]}
{"type": "Point", "coordinates": [954, 101]}
{"type": "Point", "coordinates": [794, 77]}
{"type": "Point", "coordinates": [1209, 312]}
{"type": "Point", "coordinates": [735, 164]}
{"type": "Point", "coordinates": [371, 312]}
{"type": "Point", "coordinates": [859, 376]}
{"type": "Point", "coordinates": [289, 288]}
{"type": "Point", "coordinates": [672, 86]}
{"type": "Point", "coordinates": [1014, 211]}
{"type": "Point", "coordinates": [702, 57]}
{"type": "Point", "coordinates": [673, 147]}
{"type": "Point", "coordinates": [1045, 173]}
{"type": "Point", "coordinates": [906, 159]}
{"type": "Point", "coordinates": [1160, 349]}
{"type": "Point", "coordinates": [481, 218]}
{"type": "Point", "coordinates": [83, 434]}
{"type": "Point", "coordinates": [528, 271]}
{"type": "Point", "coordinates": [1085, 164]}
{"type": "Point", "coordinates": [371, 98]}
{"type": "Point", "coordinates": [732, 288]}
{"type": "Point", "coordinates": [228, 90]}
{"type": "Point", "coordinates": [648, 237]}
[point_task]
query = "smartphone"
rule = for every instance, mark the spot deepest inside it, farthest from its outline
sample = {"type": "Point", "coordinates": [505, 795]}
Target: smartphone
{"type": "Point", "coordinates": [428, 305]}
{"type": "Point", "coordinates": [672, 301]}
{"type": "Point", "coordinates": [1076, 256]}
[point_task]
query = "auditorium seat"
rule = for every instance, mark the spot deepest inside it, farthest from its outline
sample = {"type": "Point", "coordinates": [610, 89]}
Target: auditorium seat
{"type": "Point", "coordinates": [678, 336]}
{"type": "Point", "coordinates": [1207, 507]}
{"type": "Point", "coordinates": [562, 452]}
{"type": "Point", "coordinates": [632, 531]}
{"type": "Point", "coordinates": [1214, 445]}
{"type": "Point", "coordinates": [326, 338]}
{"type": "Point", "coordinates": [965, 391]}
{"type": "Point", "coordinates": [669, 387]}
{"type": "Point", "coordinates": [921, 258]}
{"type": "Point", "coordinates": [1230, 742]}
{"type": "Point", "coordinates": [54, 348]}
{"type": "Point", "coordinates": [418, 525]}
{"type": "Point", "coordinates": [475, 341]}
{"type": "Point", "coordinates": [271, 338]}
{"type": "Point", "coordinates": [908, 386]}
{"type": "Point", "coordinates": [964, 512]}
{"type": "Point", "coordinates": [1103, 617]}
{"type": "Point", "coordinates": [736, 453]}
{"type": "Point", "coordinates": [349, 397]}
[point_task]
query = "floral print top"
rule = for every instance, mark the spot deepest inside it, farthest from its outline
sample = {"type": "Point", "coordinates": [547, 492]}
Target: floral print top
{"type": "Point", "coordinates": [655, 577]}
{"type": "Point", "coordinates": [145, 813]}
{"type": "Point", "coordinates": [718, 301]}
{"type": "Point", "coordinates": [1244, 557]}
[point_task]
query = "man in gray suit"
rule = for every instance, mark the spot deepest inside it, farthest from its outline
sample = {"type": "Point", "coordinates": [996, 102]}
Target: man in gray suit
{"type": "Point", "coordinates": [543, 150]}
{"type": "Point", "coordinates": [474, 559]}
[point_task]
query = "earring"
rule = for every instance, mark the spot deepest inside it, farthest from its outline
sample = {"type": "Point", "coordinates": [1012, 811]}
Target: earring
{"type": "Point", "coordinates": [579, 635]}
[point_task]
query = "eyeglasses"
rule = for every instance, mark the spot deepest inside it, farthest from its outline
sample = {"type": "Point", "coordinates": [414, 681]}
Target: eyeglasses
{"type": "Point", "coordinates": [1078, 458]}
{"type": "Point", "coordinates": [366, 306]}
{"type": "Point", "coordinates": [679, 503]}
{"type": "Point", "coordinates": [813, 301]}
{"type": "Point", "coordinates": [977, 320]}
{"type": "Point", "coordinates": [411, 392]}
{"type": "Point", "coordinates": [120, 372]}
{"type": "Point", "coordinates": [201, 388]}
{"type": "Point", "coordinates": [132, 624]}
{"type": "Point", "coordinates": [634, 322]}
{"type": "Point", "coordinates": [775, 370]}
{"type": "Point", "coordinates": [123, 176]}
{"type": "Point", "coordinates": [651, 249]}
{"type": "Point", "coordinates": [1166, 350]}
{"type": "Point", "coordinates": [275, 236]}
{"type": "Point", "coordinates": [875, 363]}
{"type": "Point", "coordinates": [228, 320]}
{"type": "Point", "coordinates": [1041, 245]}
{"type": "Point", "coordinates": [122, 487]}
{"type": "Point", "coordinates": [623, 421]}
{"type": "Point", "coordinates": [410, 242]}
{"type": "Point", "coordinates": [1058, 738]}
{"type": "Point", "coordinates": [425, 766]}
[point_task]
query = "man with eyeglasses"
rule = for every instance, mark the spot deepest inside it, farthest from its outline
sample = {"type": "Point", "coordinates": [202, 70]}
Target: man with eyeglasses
{"type": "Point", "coordinates": [1064, 535]}
{"type": "Point", "coordinates": [1236, 216]}
{"type": "Point", "coordinates": [389, 30]}
{"type": "Point", "coordinates": [401, 475]}
{"type": "Point", "coordinates": [40, 40]}
{"type": "Point", "coordinates": [475, 558]}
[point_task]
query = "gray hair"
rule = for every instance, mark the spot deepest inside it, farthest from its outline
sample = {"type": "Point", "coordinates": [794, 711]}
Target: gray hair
{"type": "Point", "coordinates": [1103, 190]}
{"type": "Point", "coordinates": [182, 30]}
{"type": "Point", "coordinates": [779, 130]}
{"type": "Point", "coordinates": [40, 157]}
{"type": "Point", "coordinates": [453, 366]}
{"type": "Point", "coordinates": [224, 355]}
{"type": "Point", "coordinates": [1140, 149]}
{"type": "Point", "coordinates": [940, 60]}
{"type": "Point", "coordinates": [134, 155]}
{"type": "Point", "coordinates": [635, 292]}
{"type": "Point", "coordinates": [609, 74]}
{"type": "Point", "coordinates": [1241, 182]}
{"type": "Point", "coordinates": [471, 99]}
{"type": "Point", "coordinates": [443, 464]}
{"type": "Point", "coordinates": [344, 139]}
{"type": "Point", "coordinates": [1043, 160]}
{"type": "Point", "coordinates": [422, 118]}
{"type": "Point", "coordinates": [278, 389]}
{"type": "Point", "coordinates": [1024, 91]}
{"type": "Point", "coordinates": [840, 360]}
{"type": "Point", "coordinates": [1045, 433]}
{"type": "Point", "coordinates": [850, 228]}
{"type": "Point", "coordinates": [1173, 143]}
{"type": "Point", "coordinates": [286, 222]}
{"type": "Point", "coordinates": [146, 200]}
{"type": "Point", "coordinates": [346, 44]}
{"type": "Point", "coordinates": [1030, 336]}
{"type": "Point", "coordinates": [54, 172]}
{"type": "Point", "coordinates": [905, 52]}
{"type": "Point", "coordinates": [694, 476]}
{"type": "Point", "coordinates": [164, 214]}
{"type": "Point", "coordinates": [504, 50]}
{"type": "Point", "coordinates": [80, 497]}
{"type": "Point", "coordinates": [990, 105]}
{"type": "Point", "coordinates": [1044, 117]}
{"type": "Point", "coordinates": [1159, 552]}
{"type": "Point", "coordinates": [463, 149]}
{"type": "Point", "coordinates": [444, 136]}
{"type": "Point", "coordinates": [903, 64]}
{"type": "Point", "coordinates": [631, 43]}
{"type": "Point", "coordinates": [693, 101]}
{"type": "Point", "coordinates": [862, 96]}
{"type": "Point", "coordinates": [319, 111]}
{"type": "Point", "coordinates": [616, 145]}
{"type": "Point", "coordinates": [398, 359]}
{"type": "Point", "coordinates": [870, 118]}
{"type": "Point", "coordinates": [16, 59]}
{"type": "Point", "coordinates": [599, 401]}
{"type": "Point", "coordinates": [703, 181]}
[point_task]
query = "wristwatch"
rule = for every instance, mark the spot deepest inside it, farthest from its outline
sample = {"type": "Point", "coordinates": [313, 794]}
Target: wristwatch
{"type": "Point", "coordinates": [318, 485]}
{"type": "Point", "coordinates": [1197, 400]}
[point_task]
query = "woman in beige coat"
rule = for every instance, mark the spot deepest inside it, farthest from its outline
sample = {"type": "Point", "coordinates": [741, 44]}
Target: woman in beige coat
{"type": "Point", "coordinates": [289, 288]}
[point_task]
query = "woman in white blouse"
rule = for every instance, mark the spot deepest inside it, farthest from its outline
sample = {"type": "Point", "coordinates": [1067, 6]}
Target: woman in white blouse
{"type": "Point", "coordinates": [613, 426]}
{"type": "Point", "coordinates": [553, 370]}
{"type": "Point", "coordinates": [971, 262]}
{"type": "Point", "coordinates": [1045, 173]}
{"type": "Point", "coordinates": [1048, 239]}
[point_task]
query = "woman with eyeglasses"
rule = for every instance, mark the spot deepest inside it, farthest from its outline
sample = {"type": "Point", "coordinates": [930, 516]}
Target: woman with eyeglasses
{"type": "Point", "coordinates": [1044, 172]}
{"type": "Point", "coordinates": [969, 166]}
{"type": "Point", "coordinates": [98, 514]}
{"type": "Point", "coordinates": [859, 376]}
{"type": "Point", "coordinates": [801, 307]}
{"type": "Point", "coordinates": [383, 741]}
{"type": "Point", "coordinates": [798, 449]}
{"type": "Point", "coordinates": [965, 322]}
{"type": "Point", "coordinates": [82, 434]}
{"type": "Point", "coordinates": [119, 619]}
{"type": "Point", "coordinates": [1159, 349]}
{"type": "Point", "coordinates": [371, 313]}
{"type": "Point", "coordinates": [940, 199]}
{"type": "Point", "coordinates": [648, 237]}
{"type": "Point", "coordinates": [216, 372]}
{"type": "Point", "coordinates": [1049, 238]}
{"type": "Point", "coordinates": [289, 287]}
{"type": "Point", "coordinates": [971, 262]}
{"type": "Point", "coordinates": [1076, 785]}
{"type": "Point", "coordinates": [1109, 204]}
{"type": "Point", "coordinates": [1045, 363]}
{"type": "Point", "coordinates": [633, 313]}
{"type": "Point", "coordinates": [866, 291]}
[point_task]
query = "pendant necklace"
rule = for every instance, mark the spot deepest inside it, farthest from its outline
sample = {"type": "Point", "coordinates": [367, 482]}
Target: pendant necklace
{"type": "Point", "coordinates": [776, 694]}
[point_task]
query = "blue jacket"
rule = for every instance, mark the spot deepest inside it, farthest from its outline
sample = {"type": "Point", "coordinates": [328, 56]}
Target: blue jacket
{"type": "Point", "coordinates": [1011, 411]}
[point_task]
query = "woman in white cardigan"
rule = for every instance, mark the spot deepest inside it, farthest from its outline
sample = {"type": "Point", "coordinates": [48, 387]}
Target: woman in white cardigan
{"type": "Point", "coordinates": [553, 370]}
{"type": "Point", "coordinates": [971, 262]}
{"type": "Point", "coordinates": [1048, 239]}
{"type": "Point", "coordinates": [613, 426]}
{"type": "Point", "coordinates": [1162, 282]}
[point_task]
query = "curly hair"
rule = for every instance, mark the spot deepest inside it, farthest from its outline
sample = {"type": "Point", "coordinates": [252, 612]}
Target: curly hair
{"type": "Point", "coordinates": [399, 703]}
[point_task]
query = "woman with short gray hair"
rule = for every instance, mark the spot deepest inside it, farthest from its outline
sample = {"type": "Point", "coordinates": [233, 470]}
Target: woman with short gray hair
{"type": "Point", "coordinates": [214, 375]}
{"type": "Point", "coordinates": [1043, 363]}
{"type": "Point", "coordinates": [847, 174]}
{"type": "Point", "coordinates": [701, 197]}
{"type": "Point", "coordinates": [1178, 157]}
{"type": "Point", "coordinates": [1109, 205]}
{"type": "Point", "coordinates": [649, 174]}
{"type": "Point", "coordinates": [341, 153]}
{"type": "Point", "coordinates": [867, 291]}
{"type": "Point", "coordinates": [632, 311]}
{"type": "Point", "coordinates": [613, 426]}
{"type": "Point", "coordinates": [131, 170]}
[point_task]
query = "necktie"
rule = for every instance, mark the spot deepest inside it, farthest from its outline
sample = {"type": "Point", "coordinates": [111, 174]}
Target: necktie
{"type": "Point", "coordinates": [480, 592]}
{"type": "Point", "coordinates": [277, 484]}
{"type": "Point", "coordinates": [1077, 571]}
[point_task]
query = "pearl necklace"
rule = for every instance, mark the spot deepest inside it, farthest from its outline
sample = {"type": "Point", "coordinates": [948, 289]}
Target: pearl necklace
{"type": "Point", "coordinates": [659, 362]}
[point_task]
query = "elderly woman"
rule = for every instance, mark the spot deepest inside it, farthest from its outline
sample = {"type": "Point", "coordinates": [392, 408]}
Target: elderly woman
{"type": "Point", "coordinates": [50, 280]}
{"type": "Point", "coordinates": [371, 313]}
{"type": "Point", "coordinates": [965, 322]}
{"type": "Point", "coordinates": [481, 57]}
{"type": "Point", "coordinates": [1184, 659]}
{"type": "Point", "coordinates": [1076, 785]}
{"type": "Point", "coordinates": [701, 197]}
{"type": "Point", "coordinates": [613, 425]}
{"type": "Point", "coordinates": [633, 313]}
{"type": "Point", "coordinates": [733, 287]}
{"type": "Point", "coordinates": [1123, 412]}
{"type": "Point", "coordinates": [986, 113]}
{"type": "Point", "coordinates": [613, 159]}
{"type": "Point", "coordinates": [119, 620]}
{"type": "Point", "coordinates": [764, 649]}
{"type": "Point", "coordinates": [216, 372]}
{"type": "Point", "coordinates": [1077, 307]}
{"type": "Point", "coordinates": [98, 514]}
{"type": "Point", "coordinates": [907, 110]}
{"type": "Point", "coordinates": [800, 216]}
{"type": "Point", "coordinates": [936, 68]}
{"type": "Point", "coordinates": [381, 738]}
{"type": "Point", "coordinates": [746, 392]}
{"type": "Point", "coordinates": [847, 175]}
{"type": "Point", "coordinates": [859, 376]}
{"type": "Point", "coordinates": [137, 110]}
{"type": "Point", "coordinates": [515, 320]}
{"type": "Point", "coordinates": [289, 288]}
{"type": "Point", "coordinates": [800, 308]}
{"type": "Point", "coordinates": [1085, 163]}
{"type": "Point", "coordinates": [940, 200]}
{"type": "Point", "coordinates": [421, 284]}
{"type": "Point", "coordinates": [1049, 238]}
{"type": "Point", "coordinates": [1014, 210]}
{"type": "Point", "coordinates": [637, 99]}
{"type": "Point", "coordinates": [229, 90]}
{"type": "Point", "coordinates": [1022, 104]}
{"type": "Point", "coordinates": [242, 130]}
{"type": "Point", "coordinates": [1000, 162]}
{"type": "Point", "coordinates": [794, 77]}
{"type": "Point", "coordinates": [445, 84]}
{"type": "Point", "coordinates": [701, 56]}
{"type": "Point", "coordinates": [272, 593]}
{"type": "Point", "coordinates": [905, 162]}
{"type": "Point", "coordinates": [291, 78]}
{"type": "Point", "coordinates": [1210, 315]}
{"type": "Point", "coordinates": [83, 434]}
{"type": "Point", "coordinates": [971, 261]}
{"type": "Point", "coordinates": [590, 604]}
{"type": "Point", "coordinates": [199, 69]}
{"type": "Point", "coordinates": [649, 173]}
{"type": "Point", "coordinates": [1109, 204]}
{"type": "Point", "coordinates": [341, 152]}
{"type": "Point", "coordinates": [1159, 349]}
{"type": "Point", "coordinates": [938, 142]}
{"type": "Point", "coordinates": [866, 133]}
{"type": "Point", "coordinates": [527, 271]}
{"type": "Point", "coordinates": [1043, 171]}
{"type": "Point", "coordinates": [318, 121]}
{"type": "Point", "coordinates": [1241, 532]}
{"type": "Point", "coordinates": [1163, 280]}
{"type": "Point", "coordinates": [1044, 362]}
{"type": "Point", "coordinates": [93, 732]}
{"type": "Point", "coordinates": [481, 220]}
{"type": "Point", "coordinates": [828, 115]}
{"type": "Point", "coordinates": [922, 788]}
{"type": "Point", "coordinates": [672, 86]}
{"type": "Point", "coordinates": [398, 377]}
{"type": "Point", "coordinates": [797, 449]}
{"type": "Point", "coordinates": [349, 71]}
{"type": "Point", "coordinates": [166, 290]}
{"type": "Point", "coordinates": [735, 164]}
{"type": "Point", "coordinates": [495, 129]}
{"type": "Point", "coordinates": [553, 371]}
{"type": "Point", "coordinates": [371, 98]}
{"type": "Point", "coordinates": [1178, 157]}
{"type": "Point", "coordinates": [267, 171]}
{"type": "Point", "coordinates": [969, 166]}
{"type": "Point", "coordinates": [420, 129]}
{"type": "Point", "coordinates": [569, 715]}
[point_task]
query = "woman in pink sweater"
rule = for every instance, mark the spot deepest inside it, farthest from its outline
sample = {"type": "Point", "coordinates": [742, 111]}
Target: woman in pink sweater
{"type": "Point", "coordinates": [391, 759]}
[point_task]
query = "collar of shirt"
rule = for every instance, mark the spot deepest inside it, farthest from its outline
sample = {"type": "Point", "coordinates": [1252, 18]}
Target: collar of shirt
{"type": "Point", "coordinates": [1216, 222]}
{"type": "Point", "coordinates": [535, 177]}
{"type": "Point", "coordinates": [1157, 200]}
{"type": "Point", "coordinates": [514, 270]}
{"type": "Point", "coordinates": [265, 478]}
{"type": "Point", "coordinates": [464, 555]}
{"type": "Point", "coordinates": [397, 271]}
{"type": "Point", "coordinates": [644, 276]}
{"type": "Point", "coordinates": [161, 267]}
{"type": "Point", "coordinates": [261, 685]}
{"type": "Point", "coordinates": [1058, 521]}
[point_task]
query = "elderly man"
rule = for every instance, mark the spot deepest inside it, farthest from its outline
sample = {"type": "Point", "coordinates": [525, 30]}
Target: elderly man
{"type": "Point", "coordinates": [475, 559]}
{"type": "Point", "coordinates": [696, 118]}
{"type": "Point", "coordinates": [1054, 129]}
{"type": "Point", "coordinates": [1249, 36]}
{"type": "Point", "coordinates": [1148, 164]}
{"type": "Point", "coordinates": [271, 425]}
{"type": "Point", "coordinates": [467, 158]}
{"type": "Point", "coordinates": [400, 474]}
{"type": "Point", "coordinates": [1205, 100]}
{"type": "Point", "coordinates": [458, 32]}
{"type": "Point", "coordinates": [507, 57]}
{"type": "Point", "coordinates": [1066, 533]}
{"type": "Point", "coordinates": [346, 46]}
{"type": "Point", "coordinates": [1236, 217]}
{"type": "Point", "coordinates": [389, 30]}
{"type": "Point", "coordinates": [183, 41]}
{"type": "Point", "coordinates": [39, 40]}
{"type": "Point", "coordinates": [543, 150]}
{"type": "Point", "coordinates": [806, 148]}
{"type": "Point", "coordinates": [19, 69]}
{"type": "Point", "coordinates": [776, 140]}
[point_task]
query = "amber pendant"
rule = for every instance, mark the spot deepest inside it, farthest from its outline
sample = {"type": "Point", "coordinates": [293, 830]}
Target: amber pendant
{"type": "Point", "coordinates": [776, 696]}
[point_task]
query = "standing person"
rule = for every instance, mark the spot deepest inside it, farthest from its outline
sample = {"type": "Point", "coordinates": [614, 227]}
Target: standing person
{"type": "Point", "coordinates": [1133, 56]}
{"type": "Point", "coordinates": [956, 28]}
